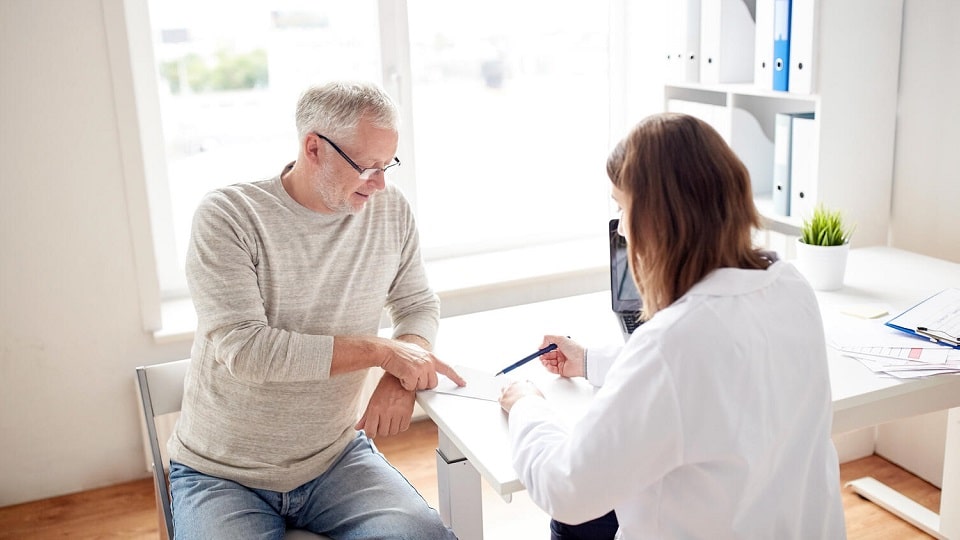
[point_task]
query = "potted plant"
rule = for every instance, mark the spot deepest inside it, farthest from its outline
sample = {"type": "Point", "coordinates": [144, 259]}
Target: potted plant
{"type": "Point", "coordinates": [822, 248]}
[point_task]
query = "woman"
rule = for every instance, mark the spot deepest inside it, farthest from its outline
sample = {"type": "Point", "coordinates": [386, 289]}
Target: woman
{"type": "Point", "coordinates": [713, 420]}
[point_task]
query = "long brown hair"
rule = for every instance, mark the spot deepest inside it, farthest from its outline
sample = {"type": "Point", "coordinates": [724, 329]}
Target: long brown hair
{"type": "Point", "coordinates": [690, 209]}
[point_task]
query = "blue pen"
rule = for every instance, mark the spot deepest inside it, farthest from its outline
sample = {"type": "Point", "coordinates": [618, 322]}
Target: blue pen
{"type": "Point", "coordinates": [523, 361]}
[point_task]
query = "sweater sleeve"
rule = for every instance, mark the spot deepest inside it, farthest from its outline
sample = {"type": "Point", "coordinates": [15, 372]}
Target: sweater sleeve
{"type": "Point", "coordinates": [222, 276]}
{"type": "Point", "coordinates": [412, 305]}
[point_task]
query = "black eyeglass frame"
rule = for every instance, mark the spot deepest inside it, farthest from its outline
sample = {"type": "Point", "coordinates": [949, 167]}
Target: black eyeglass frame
{"type": "Point", "coordinates": [365, 173]}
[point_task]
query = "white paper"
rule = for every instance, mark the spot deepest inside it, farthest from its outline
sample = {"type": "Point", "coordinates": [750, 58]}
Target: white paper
{"type": "Point", "coordinates": [848, 333]}
{"type": "Point", "coordinates": [939, 313]}
{"type": "Point", "coordinates": [480, 384]}
{"type": "Point", "coordinates": [904, 369]}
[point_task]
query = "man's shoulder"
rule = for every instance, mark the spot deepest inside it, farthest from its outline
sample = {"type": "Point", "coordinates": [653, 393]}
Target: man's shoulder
{"type": "Point", "coordinates": [240, 194]}
{"type": "Point", "coordinates": [249, 189]}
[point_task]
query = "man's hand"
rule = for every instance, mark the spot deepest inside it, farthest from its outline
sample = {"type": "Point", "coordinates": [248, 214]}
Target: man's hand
{"type": "Point", "coordinates": [389, 410]}
{"type": "Point", "coordinates": [416, 367]}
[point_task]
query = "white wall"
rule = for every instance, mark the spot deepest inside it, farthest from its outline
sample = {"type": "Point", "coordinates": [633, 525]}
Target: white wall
{"type": "Point", "coordinates": [70, 325]}
{"type": "Point", "coordinates": [926, 175]}
{"type": "Point", "coordinates": [926, 165]}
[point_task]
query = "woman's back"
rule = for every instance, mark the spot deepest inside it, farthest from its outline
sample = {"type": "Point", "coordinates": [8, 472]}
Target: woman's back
{"type": "Point", "coordinates": [745, 361]}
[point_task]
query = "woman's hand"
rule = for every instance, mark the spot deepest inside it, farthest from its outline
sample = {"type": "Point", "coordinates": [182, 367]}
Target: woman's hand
{"type": "Point", "coordinates": [511, 393]}
{"type": "Point", "coordinates": [568, 358]}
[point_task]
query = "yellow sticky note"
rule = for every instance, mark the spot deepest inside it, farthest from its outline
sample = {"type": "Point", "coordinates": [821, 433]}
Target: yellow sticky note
{"type": "Point", "coordinates": [865, 311]}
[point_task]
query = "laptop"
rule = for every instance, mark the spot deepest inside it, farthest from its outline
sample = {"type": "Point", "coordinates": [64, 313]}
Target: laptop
{"type": "Point", "coordinates": [625, 298]}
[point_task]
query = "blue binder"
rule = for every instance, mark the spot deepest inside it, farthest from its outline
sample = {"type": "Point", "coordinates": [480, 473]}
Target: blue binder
{"type": "Point", "coordinates": [781, 44]}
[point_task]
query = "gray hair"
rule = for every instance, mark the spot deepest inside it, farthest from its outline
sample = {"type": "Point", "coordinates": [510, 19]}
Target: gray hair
{"type": "Point", "coordinates": [335, 109]}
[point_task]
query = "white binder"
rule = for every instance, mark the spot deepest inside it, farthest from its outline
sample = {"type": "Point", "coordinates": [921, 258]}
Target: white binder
{"type": "Point", "coordinates": [782, 131]}
{"type": "Point", "coordinates": [753, 148]}
{"type": "Point", "coordinates": [716, 115]}
{"type": "Point", "coordinates": [683, 41]}
{"type": "Point", "coordinates": [782, 157]}
{"type": "Point", "coordinates": [803, 166]}
{"type": "Point", "coordinates": [727, 34]}
{"type": "Point", "coordinates": [763, 46]}
{"type": "Point", "coordinates": [803, 60]}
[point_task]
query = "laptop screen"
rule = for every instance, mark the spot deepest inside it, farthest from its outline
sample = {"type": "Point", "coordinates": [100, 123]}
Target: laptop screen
{"type": "Point", "coordinates": [623, 291]}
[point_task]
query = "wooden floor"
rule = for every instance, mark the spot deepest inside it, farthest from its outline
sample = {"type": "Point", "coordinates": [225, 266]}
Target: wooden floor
{"type": "Point", "coordinates": [127, 510]}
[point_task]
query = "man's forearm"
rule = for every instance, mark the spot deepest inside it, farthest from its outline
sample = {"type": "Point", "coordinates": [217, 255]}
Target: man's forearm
{"type": "Point", "coordinates": [416, 340]}
{"type": "Point", "coordinates": [351, 353]}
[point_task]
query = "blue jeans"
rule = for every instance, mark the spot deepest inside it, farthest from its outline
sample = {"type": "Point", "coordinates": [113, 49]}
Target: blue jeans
{"type": "Point", "coordinates": [361, 496]}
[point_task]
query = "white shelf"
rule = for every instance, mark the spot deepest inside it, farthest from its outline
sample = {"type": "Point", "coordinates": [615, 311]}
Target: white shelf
{"type": "Point", "coordinates": [787, 225]}
{"type": "Point", "coordinates": [855, 103]}
{"type": "Point", "coordinates": [740, 89]}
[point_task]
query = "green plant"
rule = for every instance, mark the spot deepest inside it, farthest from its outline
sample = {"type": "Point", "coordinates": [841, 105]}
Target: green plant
{"type": "Point", "coordinates": [825, 228]}
{"type": "Point", "coordinates": [227, 70]}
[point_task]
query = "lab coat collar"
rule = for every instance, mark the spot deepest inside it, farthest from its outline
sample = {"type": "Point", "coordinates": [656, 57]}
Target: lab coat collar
{"type": "Point", "coordinates": [736, 281]}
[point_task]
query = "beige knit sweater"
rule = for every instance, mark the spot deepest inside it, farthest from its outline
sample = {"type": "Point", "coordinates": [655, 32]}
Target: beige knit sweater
{"type": "Point", "coordinates": [272, 283]}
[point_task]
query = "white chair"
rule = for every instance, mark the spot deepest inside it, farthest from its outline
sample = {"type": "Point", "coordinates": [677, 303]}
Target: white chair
{"type": "Point", "coordinates": [161, 391]}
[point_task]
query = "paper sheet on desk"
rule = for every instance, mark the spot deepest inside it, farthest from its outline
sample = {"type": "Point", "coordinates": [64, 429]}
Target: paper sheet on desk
{"type": "Point", "coordinates": [904, 369]}
{"type": "Point", "coordinates": [480, 385]}
{"type": "Point", "coordinates": [887, 351]}
{"type": "Point", "coordinates": [844, 331]}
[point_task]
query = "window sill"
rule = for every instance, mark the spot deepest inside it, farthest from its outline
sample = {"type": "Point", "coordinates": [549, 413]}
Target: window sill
{"type": "Point", "coordinates": [472, 283]}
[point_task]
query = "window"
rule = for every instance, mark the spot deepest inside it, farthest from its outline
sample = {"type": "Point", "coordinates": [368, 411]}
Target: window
{"type": "Point", "coordinates": [229, 74]}
{"type": "Point", "coordinates": [511, 121]}
{"type": "Point", "coordinates": [507, 109]}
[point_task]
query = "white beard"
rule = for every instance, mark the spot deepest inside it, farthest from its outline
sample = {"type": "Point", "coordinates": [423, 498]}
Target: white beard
{"type": "Point", "coordinates": [332, 197]}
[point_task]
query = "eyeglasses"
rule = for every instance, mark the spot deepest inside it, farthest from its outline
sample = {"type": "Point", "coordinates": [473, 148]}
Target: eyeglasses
{"type": "Point", "coordinates": [365, 174]}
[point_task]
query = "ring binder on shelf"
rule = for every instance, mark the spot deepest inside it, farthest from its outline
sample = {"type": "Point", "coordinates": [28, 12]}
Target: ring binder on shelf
{"type": "Point", "coordinates": [803, 30]}
{"type": "Point", "coordinates": [727, 35]}
{"type": "Point", "coordinates": [763, 46]}
{"type": "Point", "coordinates": [683, 44]}
{"type": "Point", "coordinates": [781, 44]}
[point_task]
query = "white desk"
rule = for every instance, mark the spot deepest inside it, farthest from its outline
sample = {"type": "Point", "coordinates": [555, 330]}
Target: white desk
{"type": "Point", "coordinates": [473, 437]}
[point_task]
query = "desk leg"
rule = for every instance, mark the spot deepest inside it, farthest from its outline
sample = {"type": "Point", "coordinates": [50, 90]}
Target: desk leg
{"type": "Point", "coordinates": [950, 488]}
{"type": "Point", "coordinates": [943, 525]}
{"type": "Point", "coordinates": [461, 506]}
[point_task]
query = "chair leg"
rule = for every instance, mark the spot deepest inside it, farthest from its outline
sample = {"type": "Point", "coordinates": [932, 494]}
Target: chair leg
{"type": "Point", "coordinates": [164, 534]}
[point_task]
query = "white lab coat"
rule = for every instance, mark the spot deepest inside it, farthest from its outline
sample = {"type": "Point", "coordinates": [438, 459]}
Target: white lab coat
{"type": "Point", "coordinates": [713, 421]}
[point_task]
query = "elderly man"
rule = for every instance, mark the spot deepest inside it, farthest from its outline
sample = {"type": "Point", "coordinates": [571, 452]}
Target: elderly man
{"type": "Point", "coordinates": [289, 277]}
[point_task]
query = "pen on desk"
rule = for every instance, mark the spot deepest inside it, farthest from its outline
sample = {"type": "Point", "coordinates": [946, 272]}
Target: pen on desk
{"type": "Point", "coordinates": [523, 361]}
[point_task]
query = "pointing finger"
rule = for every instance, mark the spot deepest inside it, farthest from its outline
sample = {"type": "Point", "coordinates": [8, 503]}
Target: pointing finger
{"type": "Point", "coordinates": [444, 369]}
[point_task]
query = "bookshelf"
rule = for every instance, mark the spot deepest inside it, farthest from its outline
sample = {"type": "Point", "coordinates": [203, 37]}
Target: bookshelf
{"type": "Point", "coordinates": [855, 82]}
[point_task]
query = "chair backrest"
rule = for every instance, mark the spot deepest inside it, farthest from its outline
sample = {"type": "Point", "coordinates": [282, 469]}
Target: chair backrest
{"type": "Point", "coordinates": [161, 392]}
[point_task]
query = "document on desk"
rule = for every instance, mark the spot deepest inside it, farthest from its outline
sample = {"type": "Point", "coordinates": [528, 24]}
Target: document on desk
{"type": "Point", "coordinates": [890, 352]}
{"type": "Point", "coordinates": [480, 384]}
{"type": "Point", "coordinates": [907, 363]}
{"type": "Point", "coordinates": [936, 319]}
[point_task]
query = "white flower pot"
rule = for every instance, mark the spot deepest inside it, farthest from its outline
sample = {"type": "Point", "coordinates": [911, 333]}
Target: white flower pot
{"type": "Point", "coordinates": [823, 266]}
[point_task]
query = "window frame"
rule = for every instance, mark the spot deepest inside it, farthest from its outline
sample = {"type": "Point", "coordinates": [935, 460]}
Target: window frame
{"type": "Point", "coordinates": [145, 169]}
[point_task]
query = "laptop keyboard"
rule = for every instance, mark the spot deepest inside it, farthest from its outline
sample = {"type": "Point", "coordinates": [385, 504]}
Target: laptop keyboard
{"type": "Point", "coordinates": [631, 321]}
